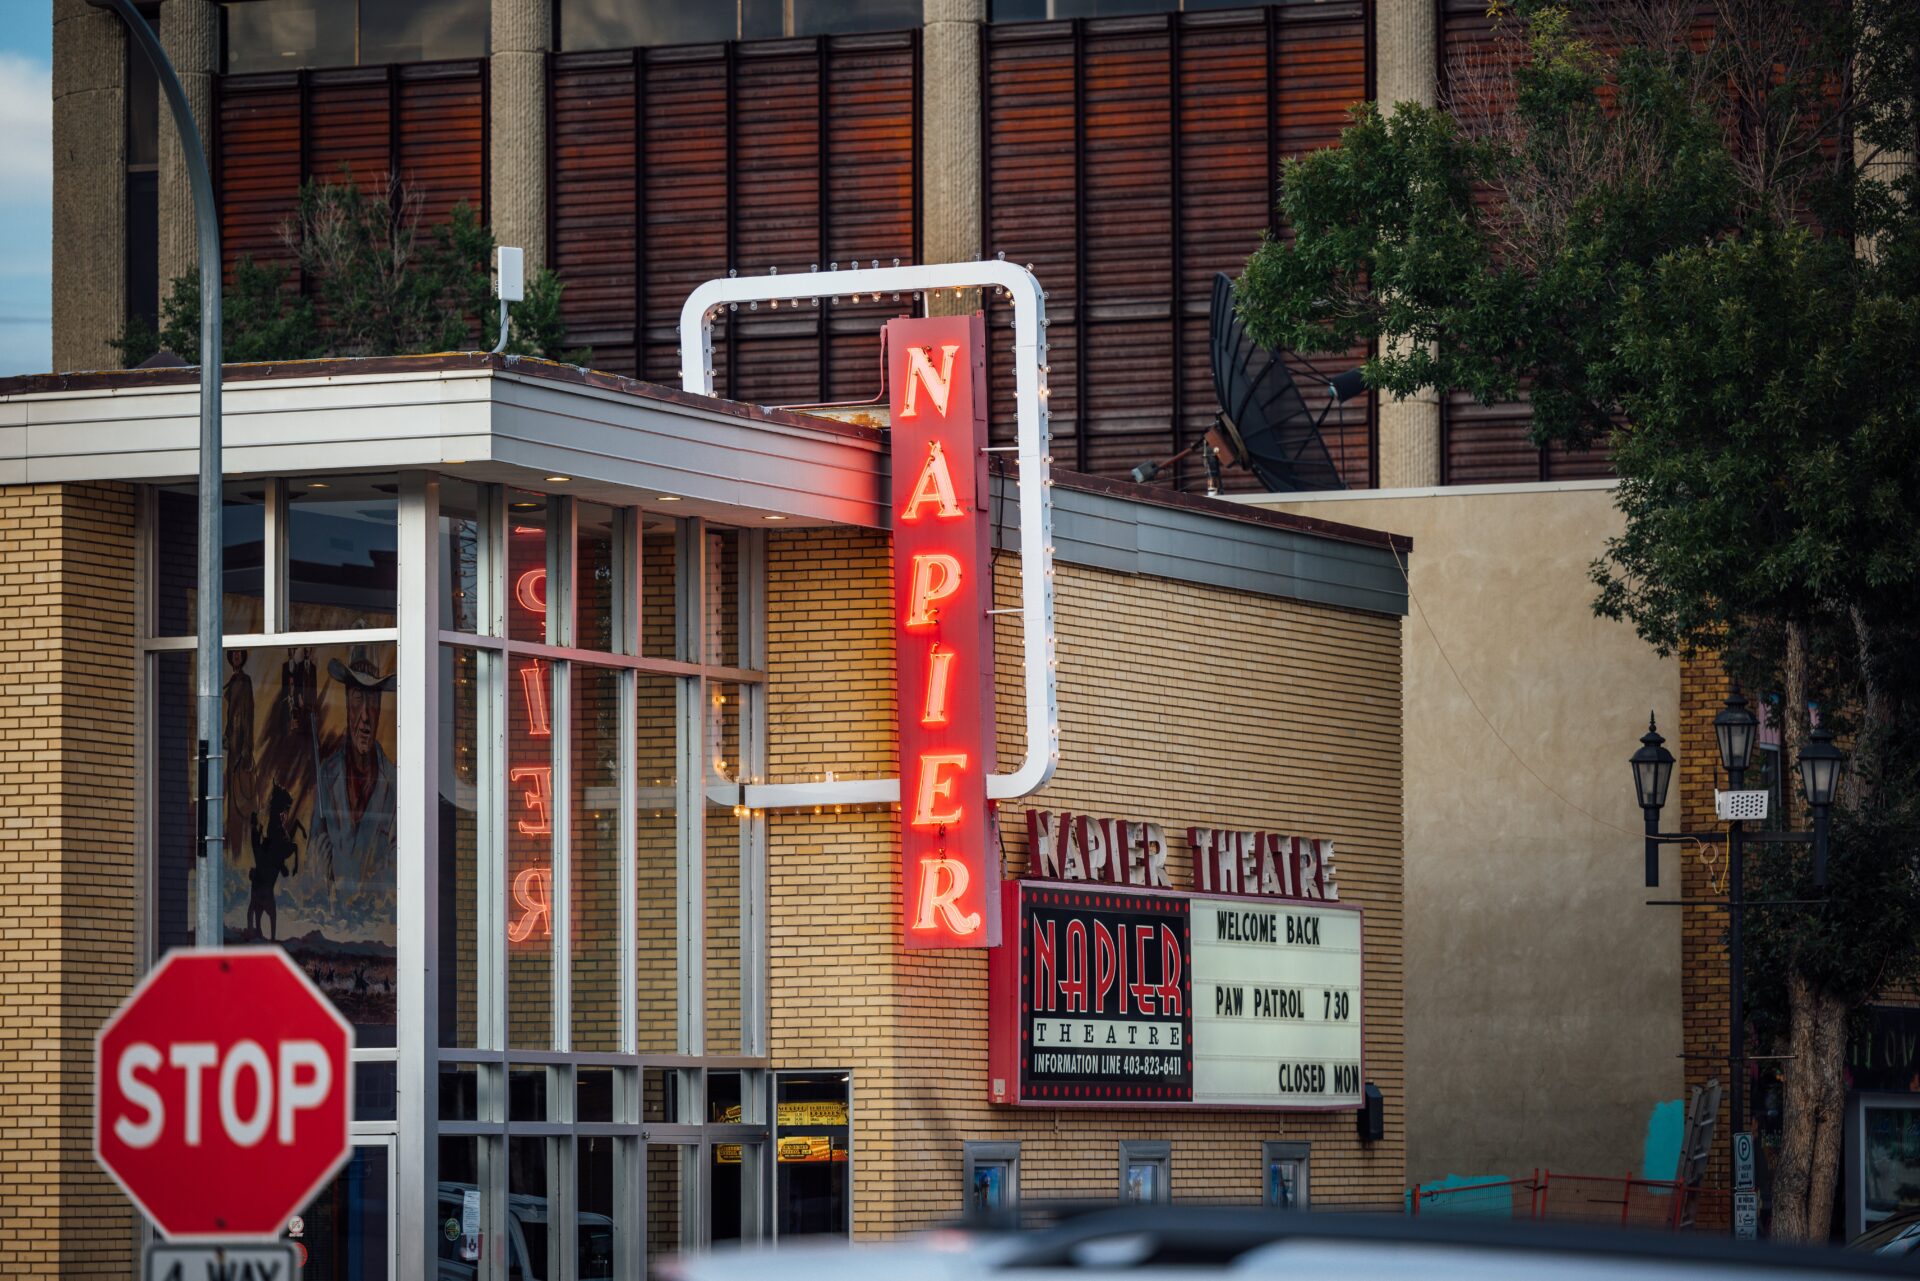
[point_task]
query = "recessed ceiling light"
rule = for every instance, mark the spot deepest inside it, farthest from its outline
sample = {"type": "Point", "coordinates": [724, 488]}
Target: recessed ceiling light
{"type": "Point", "coordinates": [558, 480]}
{"type": "Point", "coordinates": [669, 498]}
{"type": "Point", "coordinates": [523, 507]}
{"type": "Point", "coordinates": [318, 484]}
{"type": "Point", "coordinates": [773, 518]}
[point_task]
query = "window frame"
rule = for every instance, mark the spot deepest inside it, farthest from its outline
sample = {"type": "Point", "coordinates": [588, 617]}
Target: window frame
{"type": "Point", "coordinates": [1155, 1152]}
{"type": "Point", "coordinates": [992, 1152]}
{"type": "Point", "coordinates": [419, 641]}
{"type": "Point", "coordinates": [1278, 1151]}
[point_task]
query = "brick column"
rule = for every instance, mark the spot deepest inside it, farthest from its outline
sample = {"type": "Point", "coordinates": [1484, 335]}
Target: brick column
{"type": "Point", "coordinates": [190, 32]}
{"type": "Point", "coordinates": [1703, 953]}
{"type": "Point", "coordinates": [67, 865]}
{"type": "Point", "coordinates": [951, 163]}
{"type": "Point", "coordinates": [517, 126]}
{"type": "Point", "coordinates": [1405, 69]}
{"type": "Point", "coordinates": [89, 185]}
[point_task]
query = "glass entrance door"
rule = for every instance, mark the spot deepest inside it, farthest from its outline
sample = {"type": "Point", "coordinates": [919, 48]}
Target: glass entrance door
{"type": "Point", "coordinates": [346, 1233]}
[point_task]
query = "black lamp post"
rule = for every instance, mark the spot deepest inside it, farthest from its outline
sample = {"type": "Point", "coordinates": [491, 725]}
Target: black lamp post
{"type": "Point", "coordinates": [1652, 772]}
{"type": "Point", "coordinates": [1735, 728]}
{"type": "Point", "coordinates": [1819, 777]}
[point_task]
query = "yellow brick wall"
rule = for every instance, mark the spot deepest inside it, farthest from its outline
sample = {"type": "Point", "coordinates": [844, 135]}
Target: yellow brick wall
{"type": "Point", "coordinates": [66, 864]}
{"type": "Point", "coordinates": [1178, 704]}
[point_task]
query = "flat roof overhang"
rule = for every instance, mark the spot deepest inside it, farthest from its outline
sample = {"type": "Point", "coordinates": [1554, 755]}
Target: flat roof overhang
{"type": "Point", "coordinates": [496, 419]}
{"type": "Point", "coordinates": [516, 421]}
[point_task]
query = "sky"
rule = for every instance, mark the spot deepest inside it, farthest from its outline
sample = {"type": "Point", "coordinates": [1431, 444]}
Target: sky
{"type": "Point", "coordinates": [26, 187]}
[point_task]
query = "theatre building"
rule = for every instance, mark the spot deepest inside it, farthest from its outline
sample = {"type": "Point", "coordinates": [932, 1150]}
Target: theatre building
{"type": "Point", "coordinates": [602, 751]}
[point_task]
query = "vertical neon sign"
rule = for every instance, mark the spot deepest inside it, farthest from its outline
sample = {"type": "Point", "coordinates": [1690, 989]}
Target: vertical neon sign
{"type": "Point", "coordinates": [936, 379]}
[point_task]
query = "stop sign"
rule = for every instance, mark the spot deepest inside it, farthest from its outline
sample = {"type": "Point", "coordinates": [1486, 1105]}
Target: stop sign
{"type": "Point", "coordinates": [223, 1092]}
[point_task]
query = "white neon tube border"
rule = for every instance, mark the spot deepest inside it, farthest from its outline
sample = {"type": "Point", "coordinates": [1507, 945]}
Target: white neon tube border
{"type": "Point", "coordinates": [1036, 487]}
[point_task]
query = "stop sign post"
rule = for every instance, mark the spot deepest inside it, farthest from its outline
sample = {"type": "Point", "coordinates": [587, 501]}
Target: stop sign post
{"type": "Point", "coordinates": [223, 1093]}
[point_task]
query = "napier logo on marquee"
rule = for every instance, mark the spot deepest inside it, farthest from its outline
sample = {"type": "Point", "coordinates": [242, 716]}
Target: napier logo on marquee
{"type": "Point", "coordinates": [936, 379]}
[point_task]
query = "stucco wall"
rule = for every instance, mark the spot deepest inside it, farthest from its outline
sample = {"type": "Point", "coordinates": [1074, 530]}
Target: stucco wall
{"type": "Point", "coordinates": [1543, 995]}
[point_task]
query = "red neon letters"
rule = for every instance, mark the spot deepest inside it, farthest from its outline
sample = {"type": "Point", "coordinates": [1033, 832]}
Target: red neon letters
{"type": "Point", "coordinates": [936, 375]}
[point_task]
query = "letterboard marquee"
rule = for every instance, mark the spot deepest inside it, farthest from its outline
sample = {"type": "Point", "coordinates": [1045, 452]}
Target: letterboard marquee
{"type": "Point", "coordinates": [1108, 996]}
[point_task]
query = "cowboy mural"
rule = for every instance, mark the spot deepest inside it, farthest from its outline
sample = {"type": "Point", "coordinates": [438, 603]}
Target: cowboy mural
{"type": "Point", "coordinates": [353, 787]}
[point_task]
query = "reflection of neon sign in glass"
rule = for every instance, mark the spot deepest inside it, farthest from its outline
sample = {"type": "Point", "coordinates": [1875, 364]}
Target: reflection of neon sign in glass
{"type": "Point", "coordinates": [530, 591]}
{"type": "Point", "coordinates": [533, 687]}
{"type": "Point", "coordinates": [538, 798]}
{"type": "Point", "coordinates": [533, 893]}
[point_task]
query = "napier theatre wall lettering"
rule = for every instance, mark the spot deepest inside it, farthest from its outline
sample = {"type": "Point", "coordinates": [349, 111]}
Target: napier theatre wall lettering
{"type": "Point", "coordinates": [310, 830]}
{"type": "Point", "coordinates": [936, 380]}
{"type": "Point", "coordinates": [1074, 847]}
{"type": "Point", "coordinates": [1265, 863]}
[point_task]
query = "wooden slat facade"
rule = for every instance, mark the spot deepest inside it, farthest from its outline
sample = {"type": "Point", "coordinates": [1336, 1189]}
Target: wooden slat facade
{"type": "Point", "coordinates": [1489, 444]}
{"type": "Point", "coordinates": [821, 136]}
{"type": "Point", "coordinates": [1127, 159]}
{"type": "Point", "coordinates": [1130, 159]}
{"type": "Point", "coordinates": [425, 122]}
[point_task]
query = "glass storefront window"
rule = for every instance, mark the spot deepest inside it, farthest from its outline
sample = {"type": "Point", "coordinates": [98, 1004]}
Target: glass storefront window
{"type": "Point", "coordinates": [667, 1165]}
{"type": "Point", "coordinates": [347, 1230]}
{"type": "Point", "coordinates": [723, 598]}
{"type": "Point", "coordinates": [310, 840]}
{"type": "Point", "coordinates": [594, 859]}
{"type": "Point", "coordinates": [243, 542]}
{"type": "Point", "coordinates": [174, 559]}
{"type": "Point", "coordinates": [530, 1244]}
{"type": "Point", "coordinates": [342, 548]}
{"type": "Point", "coordinates": [459, 838]}
{"type": "Point", "coordinates": [657, 864]}
{"type": "Point", "coordinates": [721, 972]}
{"type": "Point", "coordinates": [1890, 1164]}
{"type": "Point", "coordinates": [593, 1196]}
{"type": "Point", "coordinates": [529, 916]}
{"type": "Point", "coordinates": [311, 848]}
{"type": "Point", "coordinates": [460, 1207]}
{"type": "Point", "coordinates": [174, 782]}
{"type": "Point", "coordinates": [659, 576]}
{"type": "Point", "coordinates": [527, 565]}
{"type": "Point", "coordinates": [460, 512]}
{"type": "Point", "coordinates": [813, 1187]}
{"type": "Point", "coordinates": [598, 593]}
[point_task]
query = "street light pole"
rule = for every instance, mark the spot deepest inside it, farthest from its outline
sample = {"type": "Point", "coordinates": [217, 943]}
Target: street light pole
{"type": "Point", "coordinates": [208, 916]}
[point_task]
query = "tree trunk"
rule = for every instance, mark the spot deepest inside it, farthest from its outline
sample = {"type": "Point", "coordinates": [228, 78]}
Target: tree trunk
{"type": "Point", "coordinates": [1793, 718]}
{"type": "Point", "coordinates": [1815, 1108]}
{"type": "Point", "coordinates": [1858, 782]}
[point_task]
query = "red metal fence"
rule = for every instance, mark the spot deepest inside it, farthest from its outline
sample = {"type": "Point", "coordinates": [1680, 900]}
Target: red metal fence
{"type": "Point", "coordinates": [1546, 1196]}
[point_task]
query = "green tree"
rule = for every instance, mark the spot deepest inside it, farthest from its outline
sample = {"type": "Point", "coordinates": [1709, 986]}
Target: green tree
{"type": "Point", "coordinates": [378, 283]}
{"type": "Point", "coordinates": [1695, 253]}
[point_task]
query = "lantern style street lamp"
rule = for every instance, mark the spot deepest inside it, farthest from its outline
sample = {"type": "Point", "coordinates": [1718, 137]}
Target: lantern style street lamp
{"type": "Point", "coordinates": [1652, 773]}
{"type": "Point", "coordinates": [1735, 727]}
{"type": "Point", "coordinates": [1819, 778]}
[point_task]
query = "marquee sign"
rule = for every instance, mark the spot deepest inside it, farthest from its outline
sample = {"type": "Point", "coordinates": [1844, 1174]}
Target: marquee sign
{"type": "Point", "coordinates": [943, 640]}
{"type": "Point", "coordinates": [1123, 997]}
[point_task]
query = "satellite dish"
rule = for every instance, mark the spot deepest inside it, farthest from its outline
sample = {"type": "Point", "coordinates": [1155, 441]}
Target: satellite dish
{"type": "Point", "coordinates": [1264, 424]}
{"type": "Point", "coordinates": [1279, 437]}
